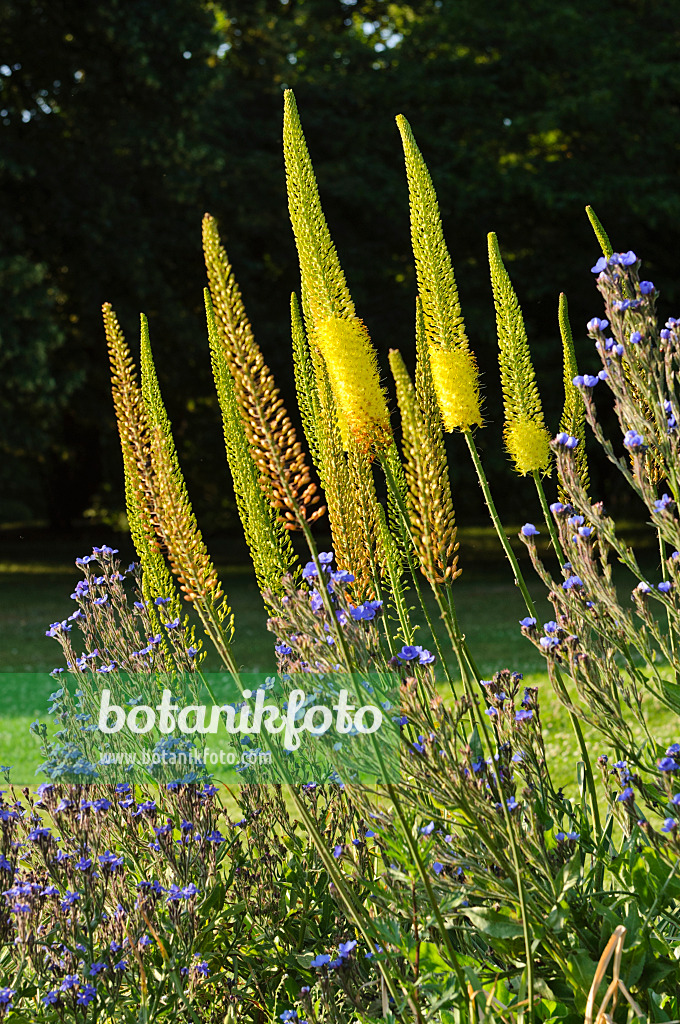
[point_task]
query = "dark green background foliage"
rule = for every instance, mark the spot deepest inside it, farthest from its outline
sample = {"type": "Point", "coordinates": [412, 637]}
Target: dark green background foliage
{"type": "Point", "coordinates": [122, 122]}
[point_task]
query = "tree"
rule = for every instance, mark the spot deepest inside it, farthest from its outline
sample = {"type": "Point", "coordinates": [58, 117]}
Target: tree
{"type": "Point", "coordinates": [116, 141]}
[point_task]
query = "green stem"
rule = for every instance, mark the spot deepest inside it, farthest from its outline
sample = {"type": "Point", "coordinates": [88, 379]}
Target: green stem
{"type": "Point", "coordinates": [576, 726]}
{"type": "Point", "coordinates": [549, 521]}
{"type": "Point", "coordinates": [495, 519]}
{"type": "Point", "coordinates": [415, 854]}
{"type": "Point", "coordinates": [669, 618]}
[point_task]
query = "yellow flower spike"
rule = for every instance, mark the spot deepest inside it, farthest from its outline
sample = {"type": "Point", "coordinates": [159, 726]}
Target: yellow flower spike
{"type": "Point", "coordinates": [528, 445]}
{"type": "Point", "coordinates": [353, 373]}
{"type": "Point", "coordinates": [456, 382]}
{"type": "Point", "coordinates": [526, 435]}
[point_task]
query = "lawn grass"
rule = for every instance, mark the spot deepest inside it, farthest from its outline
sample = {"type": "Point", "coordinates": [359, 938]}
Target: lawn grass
{"type": "Point", "coordinates": [36, 580]}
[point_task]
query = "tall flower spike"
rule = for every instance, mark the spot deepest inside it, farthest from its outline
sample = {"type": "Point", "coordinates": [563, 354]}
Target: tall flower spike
{"type": "Point", "coordinates": [454, 370]}
{"type": "Point", "coordinates": [353, 373]}
{"type": "Point", "coordinates": [526, 436]}
{"type": "Point", "coordinates": [161, 519]}
{"type": "Point", "coordinates": [133, 429]}
{"type": "Point", "coordinates": [176, 523]}
{"type": "Point", "coordinates": [309, 402]}
{"type": "Point", "coordinates": [269, 544]}
{"type": "Point", "coordinates": [324, 288]}
{"type": "Point", "coordinates": [278, 455]}
{"type": "Point", "coordinates": [573, 420]}
{"type": "Point", "coordinates": [326, 300]}
{"type": "Point", "coordinates": [600, 233]}
{"type": "Point", "coordinates": [428, 496]}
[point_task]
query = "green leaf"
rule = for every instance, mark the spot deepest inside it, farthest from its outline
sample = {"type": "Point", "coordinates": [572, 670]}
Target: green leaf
{"type": "Point", "coordinates": [491, 923]}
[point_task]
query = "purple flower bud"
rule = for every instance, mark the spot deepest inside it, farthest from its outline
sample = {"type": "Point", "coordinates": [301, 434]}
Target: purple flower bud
{"type": "Point", "coordinates": [578, 381]}
{"type": "Point", "coordinates": [635, 338]}
{"type": "Point", "coordinates": [557, 507]}
{"type": "Point", "coordinates": [590, 381]}
{"type": "Point", "coordinates": [646, 287]}
{"type": "Point", "coordinates": [529, 530]}
{"type": "Point", "coordinates": [599, 266]}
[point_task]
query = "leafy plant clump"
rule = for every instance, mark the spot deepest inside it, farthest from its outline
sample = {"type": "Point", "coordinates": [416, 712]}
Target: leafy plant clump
{"type": "Point", "coordinates": [467, 885]}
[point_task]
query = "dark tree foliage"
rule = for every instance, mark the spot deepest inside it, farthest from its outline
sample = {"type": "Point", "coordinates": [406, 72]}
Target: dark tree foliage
{"type": "Point", "coordinates": [122, 122]}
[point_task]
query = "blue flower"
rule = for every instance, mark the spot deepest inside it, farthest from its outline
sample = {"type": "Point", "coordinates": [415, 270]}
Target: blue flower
{"type": "Point", "coordinates": [643, 588]}
{"type": "Point", "coordinates": [408, 653]}
{"type": "Point", "coordinates": [578, 381]}
{"type": "Point", "coordinates": [674, 749]}
{"type": "Point", "coordinates": [625, 259]}
{"type": "Point", "coordinates": [529, 530]}
{"type": "Point", "coordinates": [512, 804]}
{"type": "Point", "coordinates": [321, 960]}
{"type": "Point", "coordinates": [663, 502]}
{"type": "Point", "coordinates": [437, 867]}
{"type": "Point", "coordinates": [342, 576]}
{"type": "Point", "coordinates": [635, 338]}
{"type": "Point", "coordinates": [172, 625]}
{"type": "Point", "coordinates": [522, 716]}
{"type": "Point", "coordinates": [50, 998]}
{"type": "Point", "coordinates": [585, 531]}
{"type": "Point", "coordinates": [669, 825]}
{"type": "Point", "coordinates": [548, 643]}
{"type": "Point", "coordinates": [345, 948]}
{"type": "Point", "coordinates": [664, 334]}
{"type": "Point", "coordinates": [633, 440]}
{"type": "Point", "coordinates": [316, 601]}
{"type": "Point", "coordinates": [664, 587]}
{"type": "Point", "coordinates": [86, 995]}
{"type": "Point", "coordinates": [566, 440]}
{"type": "Point", "coordinates": [590, 381]}
{"type": "Point", "coordinates": [626, 794]}
{"type": "Point", "coordinates": [69, 981]}
{"type": "Point", "coordinates": [668, 764]}
{"type": "Point", "coordinates": [326, 557]}
{"type": "Point", "coordinates": [427, 830]}
{"type": "Point", "coordinates": [283, 650]}
{"type": "Point", "coordinates": [646, 287]}
{"type": "Point", "coordinates": [365, 612]}
{"type": "Point", "coordinates": [595, 324]}
{"type": "Point", "coordinates": [557, 508]}
{"type": "Point", "coordinates": [96, 968]}
{"type": "Point", "coordinates": [600, 265]}
{"type": "Point", "coordinates": [528, 622]}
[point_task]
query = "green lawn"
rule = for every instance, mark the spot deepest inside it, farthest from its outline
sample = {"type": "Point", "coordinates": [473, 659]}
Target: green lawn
{"type": "Point", "coordinates": [36, 580]}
